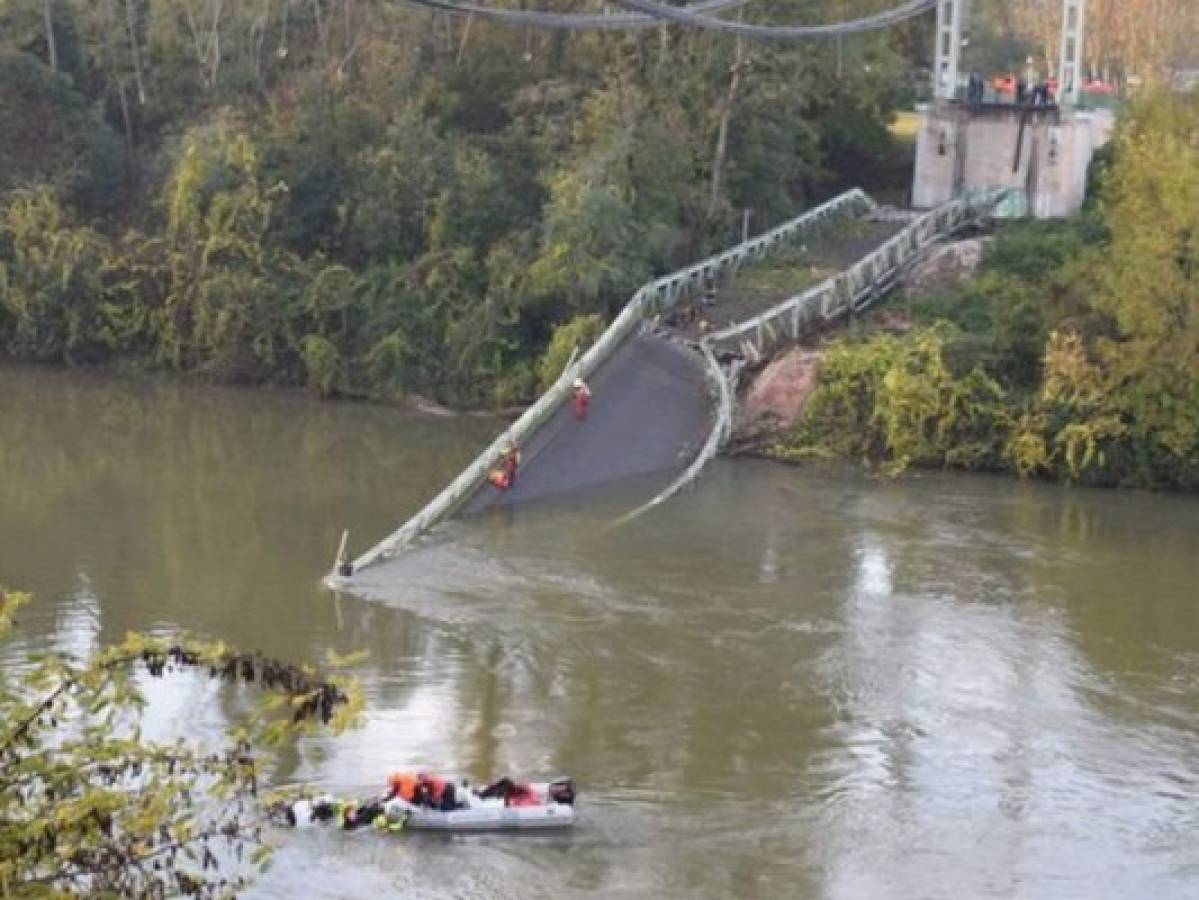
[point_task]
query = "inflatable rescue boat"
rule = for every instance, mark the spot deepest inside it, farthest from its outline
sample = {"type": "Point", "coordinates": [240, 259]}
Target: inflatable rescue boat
{"type": "Point", "coordinates": [531, 805]}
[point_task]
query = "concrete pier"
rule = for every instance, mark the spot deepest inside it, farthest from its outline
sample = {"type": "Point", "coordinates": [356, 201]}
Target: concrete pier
{"type": "Point", "coordinates": [1043, 152]}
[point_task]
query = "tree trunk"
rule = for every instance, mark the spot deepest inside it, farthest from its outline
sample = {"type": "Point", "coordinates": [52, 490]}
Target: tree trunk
{"type": "Point", "coordinates": [135, 52]}
{"type": "Point", "coordinates": [722, 133]}
{"type": "Point", "coordinates": [124, 98]}
{"type": "Point", "coordinates": [214, 44]}
{"type": "Point", "coordinates": [258, 34]}
{"type": "Point", "coordinates": [51, 44]}
{"type": "Point", "coordinates": [465, 38]}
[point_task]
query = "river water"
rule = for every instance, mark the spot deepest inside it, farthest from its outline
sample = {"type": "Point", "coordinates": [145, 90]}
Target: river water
{"type": "Point", "coordinates": [787, 683]}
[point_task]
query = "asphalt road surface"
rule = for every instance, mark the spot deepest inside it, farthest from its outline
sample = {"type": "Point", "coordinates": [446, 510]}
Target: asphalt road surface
{"type": "Point", "coordinates": [650, 412]}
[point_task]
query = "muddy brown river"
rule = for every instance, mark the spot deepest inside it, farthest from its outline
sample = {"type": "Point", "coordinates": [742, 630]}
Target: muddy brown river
{"type": "Point", "coordinates": [801, 683]}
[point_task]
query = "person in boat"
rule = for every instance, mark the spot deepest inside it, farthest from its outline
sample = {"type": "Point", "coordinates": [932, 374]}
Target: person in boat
{"type": "Point", "coordinates": [401, 786]}
{"type": "Point", "coordinates": [429, 791]}
{"type": "Point", "coordinates": [582, 399]}
{"type": "Point", "coordinates": [511, 792]}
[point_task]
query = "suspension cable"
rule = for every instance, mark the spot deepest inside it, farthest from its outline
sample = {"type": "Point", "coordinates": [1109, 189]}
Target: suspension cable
{"type": "Point", "coordinates": [684, 16]}
{"type": "Point", "coordinates": [648, 13]}
{"type": "Point", "coordinates": [569, 21]}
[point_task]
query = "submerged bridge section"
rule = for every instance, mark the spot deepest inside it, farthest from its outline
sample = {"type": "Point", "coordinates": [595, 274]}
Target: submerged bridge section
{"type": "Point", "coordinates": [652, 412]}
{"type": "Point", "coordinates": [664, 396]}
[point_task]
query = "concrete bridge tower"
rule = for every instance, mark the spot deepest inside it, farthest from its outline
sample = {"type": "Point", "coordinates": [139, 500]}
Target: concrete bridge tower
{"type": "Point", "coordinates": [970, 139]}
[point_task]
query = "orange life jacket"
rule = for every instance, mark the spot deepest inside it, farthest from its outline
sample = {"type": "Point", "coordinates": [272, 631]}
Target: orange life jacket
{"type": "Point", "coordinates": [435, 786]}
{"type": "Point", "coordinates": [403, 784]}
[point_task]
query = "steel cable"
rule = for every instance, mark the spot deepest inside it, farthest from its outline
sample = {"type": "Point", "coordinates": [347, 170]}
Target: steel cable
{"type": "Point", "coordinates": [884, 19]}
{"type": "Point", "coordinates": [648, 13]}
{"type": "Point", "coordinates": [569, 21]}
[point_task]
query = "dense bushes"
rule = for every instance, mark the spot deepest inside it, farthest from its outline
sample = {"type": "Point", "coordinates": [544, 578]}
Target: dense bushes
{"type": "Point", "coordinates": [379, 202]}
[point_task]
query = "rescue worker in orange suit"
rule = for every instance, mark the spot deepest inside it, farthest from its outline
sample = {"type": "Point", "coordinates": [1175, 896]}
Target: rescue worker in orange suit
{"type": "Point", "coordinates": [430, 791]}
{"type": "Point", "coordinates": [504, 476]}
{"type": "Point", "coordinates": [402, 786]}
{"type": "Point", "coordinates": [511, 462]}
{"type": "Point", "coordinates": [582, 399]}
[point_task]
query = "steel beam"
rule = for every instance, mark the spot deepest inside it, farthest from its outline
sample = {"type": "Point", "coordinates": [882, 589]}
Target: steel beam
{"type": "Point", "coordinates": [1069, 81]}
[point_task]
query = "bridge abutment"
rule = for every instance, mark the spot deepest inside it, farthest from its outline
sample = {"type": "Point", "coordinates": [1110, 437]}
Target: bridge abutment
{"type": "Point", "coordinates": [1042, 153]}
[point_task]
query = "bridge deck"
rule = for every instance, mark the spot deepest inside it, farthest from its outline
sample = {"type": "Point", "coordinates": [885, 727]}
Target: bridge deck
{"type": "Point", "coordinates": [651, 410]}
{"type": "Point", "coordinates": [761, 286]}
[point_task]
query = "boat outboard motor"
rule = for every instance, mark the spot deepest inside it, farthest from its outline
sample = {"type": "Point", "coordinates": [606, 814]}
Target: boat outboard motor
{"type": "Point", "coordinates": [562, 790]}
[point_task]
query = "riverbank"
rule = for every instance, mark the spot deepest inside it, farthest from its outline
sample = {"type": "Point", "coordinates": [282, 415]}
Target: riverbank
{"type": "Point", "coordinates": [1072, 355]}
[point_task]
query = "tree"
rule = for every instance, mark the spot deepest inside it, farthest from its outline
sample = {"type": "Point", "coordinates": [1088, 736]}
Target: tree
{"type": "Point", "coordinates": [375, 200]}
{"type": "Point", "coordinates": [51, 136]}
{"type": "Point", "coordinates": [50, 290]}
{"type": "Point", "coordinates": [1146, 282]}
{"type": "Point", "coordinates": [88, 808]}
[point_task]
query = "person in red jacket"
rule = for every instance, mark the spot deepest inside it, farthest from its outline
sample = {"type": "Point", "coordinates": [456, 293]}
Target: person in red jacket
{"type": "Point", "coordinates": [426, 790]}
{"type": "Point", "coordinates": [582, 399]}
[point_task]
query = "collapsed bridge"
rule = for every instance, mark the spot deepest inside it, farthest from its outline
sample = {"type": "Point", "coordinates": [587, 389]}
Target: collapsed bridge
{"type": "Point", "coordinates": [664, 389]}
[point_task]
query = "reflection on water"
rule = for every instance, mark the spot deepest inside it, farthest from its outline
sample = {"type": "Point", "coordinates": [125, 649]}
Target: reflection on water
{"type": "Point", "coordinates": [786, 683]}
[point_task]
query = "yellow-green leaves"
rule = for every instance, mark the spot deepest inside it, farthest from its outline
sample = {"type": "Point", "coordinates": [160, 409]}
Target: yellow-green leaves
{"type": "Point", "coordinates": [576, 335]}
{"type": "Point", "coordinates": [895, 402]}
{"type": "Point", "coordinates": [87, 804]}
{"type": "Point", "coordinates": [10, 602]}
{"type": "Point", "coordinates": [1109, 395]}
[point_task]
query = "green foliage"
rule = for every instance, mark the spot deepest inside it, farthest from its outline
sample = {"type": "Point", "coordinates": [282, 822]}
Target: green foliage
{"type": "Point", "coordinates": [51, 136]}
{"type": "Point", "coordinates": [50, 287]}
{"type": "Point", "coordinates": [89, 808]}
{"type": "Point", "coordinates": [895, 401]}
{"type": "Point", "coordinates": [323, 364]}
{"type": "Point", "coordinates": [1074, 354]}
{"type": "Point", "coordinates": [593, 247]}
{"type": "Point", "coordinates": [575, 336]}
{"type": "Point", "coordinates": [373, 207]}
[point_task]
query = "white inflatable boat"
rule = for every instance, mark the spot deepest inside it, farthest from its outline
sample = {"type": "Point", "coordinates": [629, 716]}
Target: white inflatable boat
{"type": "Point", "coordinates": [533, 805]}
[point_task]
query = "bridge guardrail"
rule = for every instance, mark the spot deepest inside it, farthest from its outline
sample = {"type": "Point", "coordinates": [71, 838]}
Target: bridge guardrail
{"type": "Point", "coordinates": [855, 287]}
{"type": "Point", "coordinates": [650, 299]}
